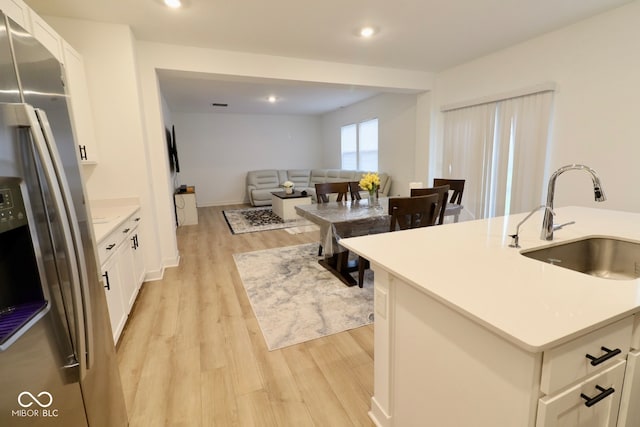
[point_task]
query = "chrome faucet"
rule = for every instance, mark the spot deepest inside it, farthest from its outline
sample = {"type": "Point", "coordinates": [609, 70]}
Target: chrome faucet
{"type": "Point", "coordinates": [547, 223]}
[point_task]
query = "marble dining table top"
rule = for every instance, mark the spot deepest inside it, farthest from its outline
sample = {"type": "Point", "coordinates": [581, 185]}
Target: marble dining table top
{"type": "Point", "coordinates": [352, 218]}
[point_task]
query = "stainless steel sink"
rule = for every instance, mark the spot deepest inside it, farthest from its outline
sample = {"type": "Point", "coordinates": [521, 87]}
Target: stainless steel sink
{"type": "Point", "coordinates": [605, 257]}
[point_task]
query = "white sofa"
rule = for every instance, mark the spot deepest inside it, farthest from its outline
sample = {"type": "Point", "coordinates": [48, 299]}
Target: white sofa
{"type": "Point", "coordinates": [261, 183]}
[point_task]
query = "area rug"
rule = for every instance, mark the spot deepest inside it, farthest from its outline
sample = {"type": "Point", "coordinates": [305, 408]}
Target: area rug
{"type": "Point", "coordinates": [249, 220]}
{"type": "Point", "coordinates": [296, 300]}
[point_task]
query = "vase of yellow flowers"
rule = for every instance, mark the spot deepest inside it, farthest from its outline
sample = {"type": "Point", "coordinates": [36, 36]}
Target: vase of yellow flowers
{"type": "Point", "coordinates": [370, 182]}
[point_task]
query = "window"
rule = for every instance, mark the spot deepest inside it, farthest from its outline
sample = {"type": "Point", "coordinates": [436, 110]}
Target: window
{"type": "Point", "coordinates": [359, 146]}
{"type": "Point", "coordinates": [500, 149]}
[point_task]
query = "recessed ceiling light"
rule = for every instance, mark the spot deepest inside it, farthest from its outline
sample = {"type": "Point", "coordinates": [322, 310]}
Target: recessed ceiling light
{"type": "Point", "coordinates": [272, 99]}
{"type": "Point", "coordinates": [174, 4]}
{"type": "Point", "coordinates": [367, 32]}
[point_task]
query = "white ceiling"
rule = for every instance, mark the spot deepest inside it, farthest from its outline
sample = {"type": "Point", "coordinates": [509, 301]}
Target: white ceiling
{"type": "Point", "coordinates": [426, 35]}
{"type": "Point", "coordinates": [196, 92]}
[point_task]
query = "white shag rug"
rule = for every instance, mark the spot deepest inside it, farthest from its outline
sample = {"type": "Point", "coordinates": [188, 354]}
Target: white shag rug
{"type": "Point", "coordinates": [295, 299]}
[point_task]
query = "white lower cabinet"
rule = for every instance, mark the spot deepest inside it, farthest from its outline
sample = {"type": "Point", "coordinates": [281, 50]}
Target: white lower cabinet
{"type": "Point", "coordinates": [138, 256]}
{"type": "Point", "coordinates": [127, 274]}
{"type": "Point", "coordinates": [122, 270]}
{"type": "Point", "coordinates": [113, 291]}
{"type": "Point", "coordinates": [433, 366]}
{"type": "Point", "coordinates": [593, 402]}
{"type": "Point", "coordinates": [630, 405]}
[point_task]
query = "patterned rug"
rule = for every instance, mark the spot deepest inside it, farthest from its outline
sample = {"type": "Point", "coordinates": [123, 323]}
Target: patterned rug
{"type": "Point", "coordinates": [296, 300]}
{"type": "Point", "coordinates": [262, 218]}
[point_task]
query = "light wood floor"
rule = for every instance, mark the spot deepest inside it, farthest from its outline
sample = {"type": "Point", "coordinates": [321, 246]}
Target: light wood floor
{"type": "Point", "coordinates": [192, 353]}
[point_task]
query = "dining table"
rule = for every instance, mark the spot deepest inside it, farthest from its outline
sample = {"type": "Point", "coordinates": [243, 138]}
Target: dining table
{"type": "Point", "coordinates": [338, 220]}
{"type": "Point", "coordinates": [352, 218]}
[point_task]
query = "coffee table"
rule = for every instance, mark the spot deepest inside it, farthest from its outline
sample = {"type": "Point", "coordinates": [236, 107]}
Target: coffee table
{"type": "Point", "coordinates": [284, 205]}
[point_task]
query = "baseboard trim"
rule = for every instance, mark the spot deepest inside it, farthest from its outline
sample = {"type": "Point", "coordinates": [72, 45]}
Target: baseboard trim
{"type": "Point", "coordinates": [155, 275]}
{"type": "Point", "coordinates": [228, 202]}
{"type": "Point", "coordinates": [378, 415]}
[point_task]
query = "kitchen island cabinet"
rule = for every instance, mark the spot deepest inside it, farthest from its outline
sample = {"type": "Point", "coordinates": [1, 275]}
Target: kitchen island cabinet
{"type": "Point", "coordinates": [470, 332]}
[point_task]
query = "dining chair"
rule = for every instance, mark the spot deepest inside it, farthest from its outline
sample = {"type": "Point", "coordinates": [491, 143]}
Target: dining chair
{"type": "Point", "coordinates": [456, 188]}
{"type": "Point", "coordinates": [324, 189]}
{"type": "Point", "coordinates": [406, 213]}
{"type": "Point", "coordinates": [443, 196]}
{"type": "Point", "coordinates": [354, 189]}
{"type": "Point", "coordinates": [412, 212]}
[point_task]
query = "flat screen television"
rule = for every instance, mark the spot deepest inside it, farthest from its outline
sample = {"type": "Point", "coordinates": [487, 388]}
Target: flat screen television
{"type": "Point", "coordinates": [174, 163]}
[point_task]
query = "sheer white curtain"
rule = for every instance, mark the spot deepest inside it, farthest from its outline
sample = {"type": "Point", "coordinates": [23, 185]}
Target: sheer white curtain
{"type": "Point", "coordinates": [531, 118]}
{"type": "Point", "coordinates": [499, 148]}
{"type": "Point", "coordinates": [467, 135]}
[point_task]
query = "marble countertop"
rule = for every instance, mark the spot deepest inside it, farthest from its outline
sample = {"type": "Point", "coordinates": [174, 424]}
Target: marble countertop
{"type": "Point", "coordinates": [470, 267]}
{"type": "Point", "coordinates": [107, 217]}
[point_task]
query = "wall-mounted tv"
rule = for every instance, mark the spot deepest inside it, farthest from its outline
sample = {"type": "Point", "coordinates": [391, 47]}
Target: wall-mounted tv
{"type": "Point", "coordinates": [174, 163]}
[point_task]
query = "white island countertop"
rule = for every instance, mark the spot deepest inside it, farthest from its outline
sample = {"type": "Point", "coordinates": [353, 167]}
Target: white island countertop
{"type": "Point", "coordinates": [470, 267]}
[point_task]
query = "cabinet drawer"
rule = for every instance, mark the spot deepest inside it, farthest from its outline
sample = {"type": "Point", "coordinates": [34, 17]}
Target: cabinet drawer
{"type": "Point", "coordinates": [108, 246]}
{"type": "Point", "coordinates": [584, 356]}
{"type": "Point", "coordinates": [110, 243]}
{"type": "Point", "coordinates": [569, 408]}
{"type": "Point", "coordinates": [134, 220]}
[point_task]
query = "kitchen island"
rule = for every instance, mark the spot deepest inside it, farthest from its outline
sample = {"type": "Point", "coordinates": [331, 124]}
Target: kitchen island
{"type": "Point", "coordinates": [469, 332]}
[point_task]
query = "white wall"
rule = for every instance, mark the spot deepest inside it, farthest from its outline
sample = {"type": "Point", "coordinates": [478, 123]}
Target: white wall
{"type": "Point", "coordinates": [596, 119]}
{"type": "Point", "coordinates": [217, 150]}
{"type": "Point", "coordinates": [122, 172]}
{"type": "Point", "coordinates": [129, 119]}
{"type": "Point", "coordinates": [153, 56]}
{"type": "Point", "coordinates": [396, 116]}
{"type": "Point", "coordinates": [168, 123]}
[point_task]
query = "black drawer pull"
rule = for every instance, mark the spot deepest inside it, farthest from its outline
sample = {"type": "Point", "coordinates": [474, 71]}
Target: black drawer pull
{"type": "Point", "coordinates": [111, 246]}
{"type": "Point", "coordinates": [106, 276]}
{"type": "Point", "coordinates": [126, 230]}
{"type": "Point", "coordinates": [590, 401]}
{"type": "Point", "coordinates": [137, 219]}
{"type": "Point", "coordinates": [595, 361]}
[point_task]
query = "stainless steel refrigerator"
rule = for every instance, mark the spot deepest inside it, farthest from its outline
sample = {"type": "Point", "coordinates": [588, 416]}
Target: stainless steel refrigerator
{"type": "Point", "coordinates": [57, 358]}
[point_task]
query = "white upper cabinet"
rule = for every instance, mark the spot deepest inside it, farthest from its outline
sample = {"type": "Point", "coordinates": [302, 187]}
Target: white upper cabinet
{"type": "Point", "coordinates": [18, 11]}
{"type": "Point", "coordinates": [46, 35]}
{"type": "Point", "coordinates": [80, 105]}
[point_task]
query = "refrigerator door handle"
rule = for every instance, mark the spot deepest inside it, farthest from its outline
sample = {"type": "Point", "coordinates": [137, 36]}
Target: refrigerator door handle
{"type": "Point", "coordinates": [85, 306]}
{"type": "Point", "coordinates": [46, 152]}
